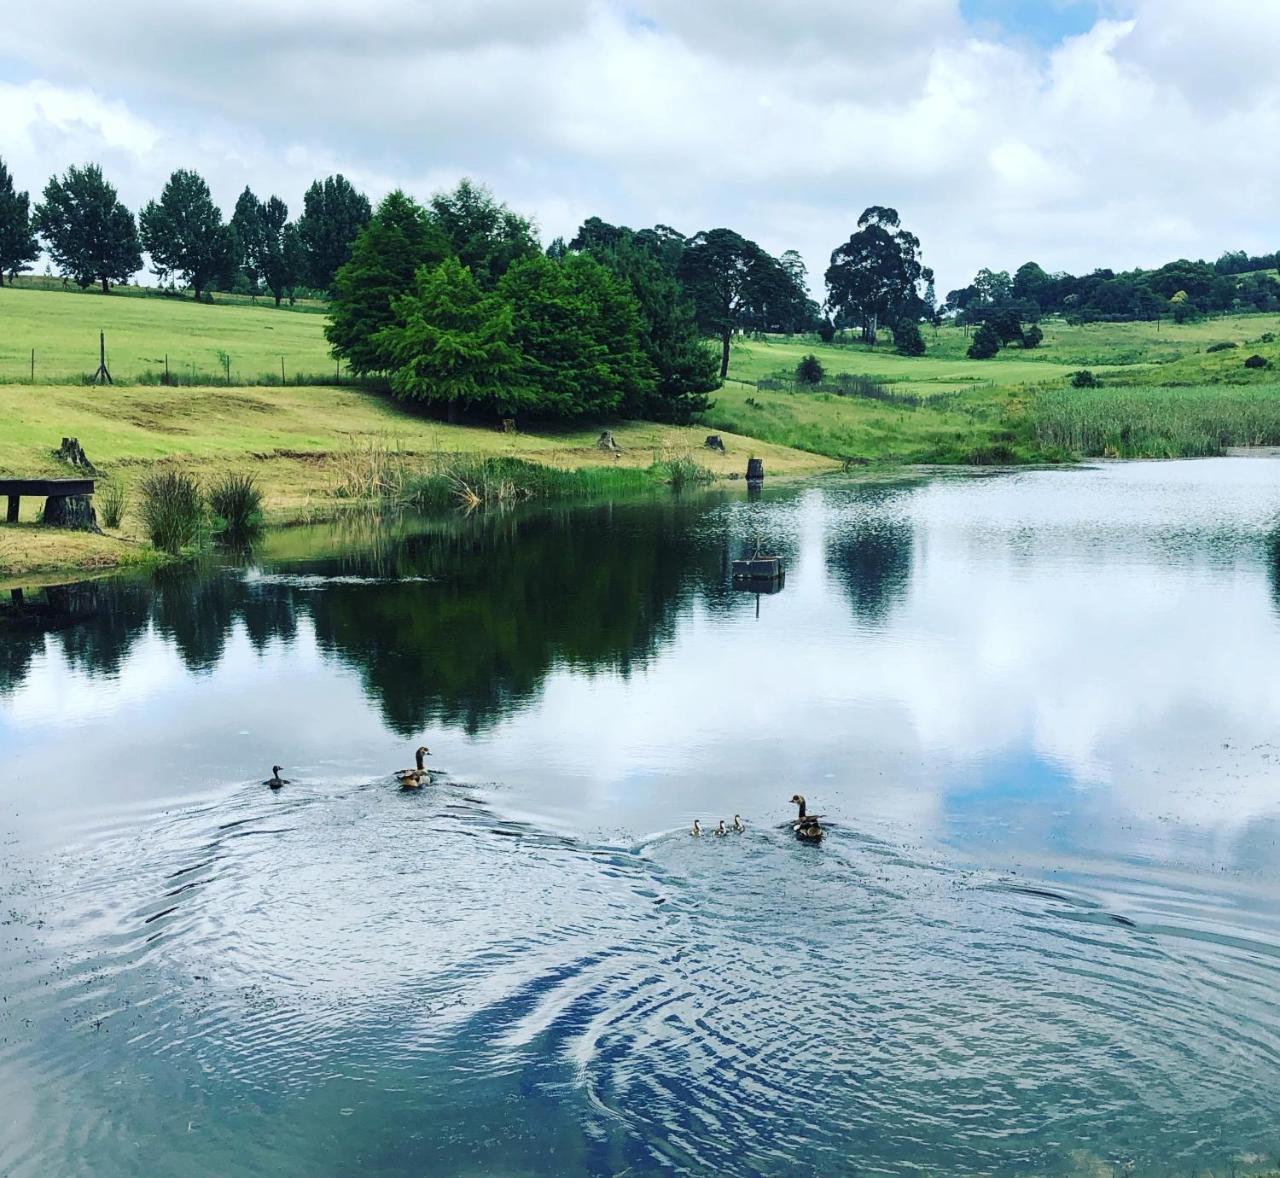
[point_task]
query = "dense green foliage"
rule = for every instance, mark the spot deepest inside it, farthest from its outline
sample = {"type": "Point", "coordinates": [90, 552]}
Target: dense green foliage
{"type": "Point", "coordinates": [385, 256]}
{"type": "Point", "coordinates": [184, 234]}
{"type": "Point", "coordinates": [907, 340]}
{"type": "Point", "coordinates": [736, 285]}
{"type": "Point", "coordinates": [577, 329]}
{"type": "Point", "coordinates": [450, 342]}
{"type": "Point", "coordinates": [89, 234]}
{"type": "Point", "coordinates": [236, 502]}
{"type": "Point", "coordinates": [874, 278]}
{"type": "Point", "coordinates": [18, 245]}
{"type": "Point", "coordinates": [333, 213]}
{"type": "Point", "coordinates": [481, 232]}
{"type": "Point", "coordinates": [684, 370]}
{"type": "Point", "coordinates": [986, 343]}
{"type": "Point", "coordinates": [809, 371]}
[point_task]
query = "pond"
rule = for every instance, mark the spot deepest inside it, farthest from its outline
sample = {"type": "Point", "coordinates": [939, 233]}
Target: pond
{"type": "Point", "coordinates": [1038, 711]}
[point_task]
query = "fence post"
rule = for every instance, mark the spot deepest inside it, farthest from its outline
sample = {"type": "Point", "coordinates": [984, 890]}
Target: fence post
{"type": "Point", "coordinates": [33, 366]}
{"type": "Point", "coordinates": [281, 371]}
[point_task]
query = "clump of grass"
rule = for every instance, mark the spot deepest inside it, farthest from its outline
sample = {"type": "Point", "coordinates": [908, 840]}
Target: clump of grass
{"type": "Point", "coordinates": [173, 510]}
{"type": "Point", "coordinates": [372, 469]}
{"type": "Point", "coordinates": [237, 502]}
{"type": "Point", "coordinates": [682, 470]}
{"type": "Point", "coordinates": [1144, 422]}
{"type": "Point", "coordinates": [112, 499]}
{"type": "Point", "coordinates": [472, 481]}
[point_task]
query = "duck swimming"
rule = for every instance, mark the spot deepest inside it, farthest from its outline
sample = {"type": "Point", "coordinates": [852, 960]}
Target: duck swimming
{"type": "Point", "coordinates": [275, 780]}
{"type": "Point", "coordinates": [720, 830]}
{"type": "Point", "coordinates": [414, 778]}
{"type": "Point", "coordinates": [806, 826]}
{"type": "Point", "coordinates": [738, 828]}
{"type": "Point", "coordinates": [697, 829]}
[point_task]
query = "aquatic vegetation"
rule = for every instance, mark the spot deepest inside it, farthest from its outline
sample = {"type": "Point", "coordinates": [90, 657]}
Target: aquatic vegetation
{"type": "Point", "coordinates": [173, 510]}
{"type": "Point", "coordinates": [236, 500]}
{"type": "Point", "coordinates": [473, 480]}
{"type": "Point", "coordinates": [1147, 422]}
{"type": "Point", "coordinates": [682, 470]}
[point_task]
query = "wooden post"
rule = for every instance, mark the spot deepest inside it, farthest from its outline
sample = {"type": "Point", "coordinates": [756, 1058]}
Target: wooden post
{"type": "Point", "coordinates": [166, 369]}
{"type": "Point", "coordinates": [282, 370]}
{"type": "Point", "coordinates": [102, 374]}
{"type": "Point", "coordinates": [12, 516]}
{"type": "Point", "coordinates": [33, 366]}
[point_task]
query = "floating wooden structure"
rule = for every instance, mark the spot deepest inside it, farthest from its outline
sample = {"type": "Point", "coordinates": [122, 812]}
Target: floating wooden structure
{"type": "Point", "coordinates": [760, 574]}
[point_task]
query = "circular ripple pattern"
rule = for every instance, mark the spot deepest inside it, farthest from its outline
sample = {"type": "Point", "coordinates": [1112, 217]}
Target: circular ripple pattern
{"type": "Point", "coordinates": [349, 978]}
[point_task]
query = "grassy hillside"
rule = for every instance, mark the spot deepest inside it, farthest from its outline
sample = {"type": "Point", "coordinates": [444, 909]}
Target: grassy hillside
{"type": "Point", "coordinates": [63, 329]}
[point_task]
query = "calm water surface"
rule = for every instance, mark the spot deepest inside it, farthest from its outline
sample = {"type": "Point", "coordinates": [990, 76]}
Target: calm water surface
{"type": "Point", "coordinates": [1042, 936]}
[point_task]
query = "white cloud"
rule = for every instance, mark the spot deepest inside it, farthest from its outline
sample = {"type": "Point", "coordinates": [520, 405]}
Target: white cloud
{"type": "Point", "coordinates": [1108, 149]}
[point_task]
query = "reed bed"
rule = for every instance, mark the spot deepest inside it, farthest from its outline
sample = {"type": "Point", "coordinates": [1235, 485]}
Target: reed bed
{"type": "Point", "coordinates": [174, 512]}
{"type": "Point", "coordinates": [472, 481]}
{"type": "Point", "coordinates": [1133, 422]}
{"type": "Point", "coordinates": [236, 501]}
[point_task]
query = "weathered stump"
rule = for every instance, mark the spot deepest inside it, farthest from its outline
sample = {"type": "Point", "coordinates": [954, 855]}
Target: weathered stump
{"type": "Point", "coordinates": [70, 511]}
{"type": "Point", "coordinates": [714, 442]}
{"type": "Point", "coordinates": [605, 442]}
{"type": "Point", "coordinates": [508, 425]}
{"type": "Point", "coordinates": [755, 472]}
{"type": "Point", "coordinates": [73, 453]}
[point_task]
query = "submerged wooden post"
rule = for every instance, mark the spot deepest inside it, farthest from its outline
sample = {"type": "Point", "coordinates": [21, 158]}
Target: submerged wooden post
{"type": "Point", "coordinates": [755, 472]}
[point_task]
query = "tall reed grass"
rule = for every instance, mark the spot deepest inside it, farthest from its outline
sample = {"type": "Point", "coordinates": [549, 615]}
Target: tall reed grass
{"type": "Point", "coordinates": [112, 498]}
{"type": "Point", "coordinates": [1120, 422]}
{"type": "Point", "coordinates": [236, 501]}
{"type": "Point", "coordinates": [173, 510]}
{"type": "Point", "coordinates": [473, 480]}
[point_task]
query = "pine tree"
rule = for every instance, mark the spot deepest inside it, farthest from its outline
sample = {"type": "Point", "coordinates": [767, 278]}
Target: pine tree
{"type": "Point", "coordinates": [450, 342]}
{"type": "Point", "coordinates": [384, 260]}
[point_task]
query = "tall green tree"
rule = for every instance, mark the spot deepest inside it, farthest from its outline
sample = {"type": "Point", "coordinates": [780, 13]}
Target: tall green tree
{"type": "Point", "coordinates": [874, 277]}
{"type": "Point", "coordinates": [729, 279]}
{"type": "Point", "coordinates": [89, 234]}
{"type": "Point", "coordinates": [578, 331]}
{"type": "Point", "coordinates": [246, 222]}
{"type": "Point", "coordinates": [685, 368]}
{"type": "Point", "coordinates": [18, 245]}
{"type": "Point", "coordinates": [450, 342]}
{"type": "Point", "coordinates": [333, 213]}
{"type": "Point", "coordinates": [184, 234]}
{"type": "Point", "coordinates": [384, 260]}
{"type": "Point", "coordinates": [483, 234]}
{"type": "Point", "coordinates": [278, 260]}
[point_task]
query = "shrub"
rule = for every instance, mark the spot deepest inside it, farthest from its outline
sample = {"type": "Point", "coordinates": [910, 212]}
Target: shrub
{"type": "Point", "coordinates": [1222, 347]}
{"type": "Point", "coordinates": [1084, 379]}
{"type": "Point", "coordinates": [826, 332]}
{"type": "Point", "coordinates": [1033, 336]}
{"type": "Point", "coordinates": [907, 340]}
{"type": "Point", "coordinates": [1267, 337]}
{"type": "Point", "coordinates": [173, 510]}
{"type": "Point", "coordinates": [112, 499]}
{"type": "Point", "coordinates": [810, 371]}
{"type": "Point", "coordinates": [237, 502]}
{"type": "Point", "coordinates": [985, 344]}
{"type": "Point", "coordinates": [1256, 362]}
{"type": "Point", "coordinates": [684, 470]}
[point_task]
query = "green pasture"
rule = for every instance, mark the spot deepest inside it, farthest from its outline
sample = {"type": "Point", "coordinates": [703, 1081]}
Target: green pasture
{"type": "Point", "coordinates": [63, 329]}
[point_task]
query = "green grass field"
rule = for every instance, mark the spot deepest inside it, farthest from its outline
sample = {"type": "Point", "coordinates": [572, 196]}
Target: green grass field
{"type": "Point", "coordinates": [63, 329]}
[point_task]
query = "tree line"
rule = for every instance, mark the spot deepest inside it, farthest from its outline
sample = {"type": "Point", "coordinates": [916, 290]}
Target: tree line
{"type": "Point", "coordinates": [94, 239]}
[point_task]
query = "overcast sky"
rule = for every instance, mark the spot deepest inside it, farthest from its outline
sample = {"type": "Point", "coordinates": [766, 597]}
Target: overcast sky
{"type": "Point", "coordinates": [1078, 133]}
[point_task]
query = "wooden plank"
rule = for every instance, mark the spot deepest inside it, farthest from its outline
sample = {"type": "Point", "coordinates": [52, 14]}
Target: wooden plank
{"type": "Point", "coordinates": [46, 486]}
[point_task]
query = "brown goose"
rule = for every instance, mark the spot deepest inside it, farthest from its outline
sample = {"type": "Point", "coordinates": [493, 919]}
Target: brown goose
{"type": "Point", "coordinates": [415, 778]}
{"type": "Point", "coordinates": [806, 826]}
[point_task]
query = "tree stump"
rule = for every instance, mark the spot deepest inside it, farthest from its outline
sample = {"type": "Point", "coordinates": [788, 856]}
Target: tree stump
{"type": "Point", "coordinates": [605, 442]}
{"type": "Point", "coordinates": [73, 453]}
{"type": "Point", "coordinates": [714, 442]}
{"type": "Point", "coordinates": [755, 472]}
{"type": "Point", "coordinates": [70, 511]}
{"type": "Point", "coordinates": [508, 425]}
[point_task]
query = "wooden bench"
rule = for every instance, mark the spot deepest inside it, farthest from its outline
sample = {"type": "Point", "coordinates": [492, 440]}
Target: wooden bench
{"type": "Point", "coordinates": [49, 488]}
